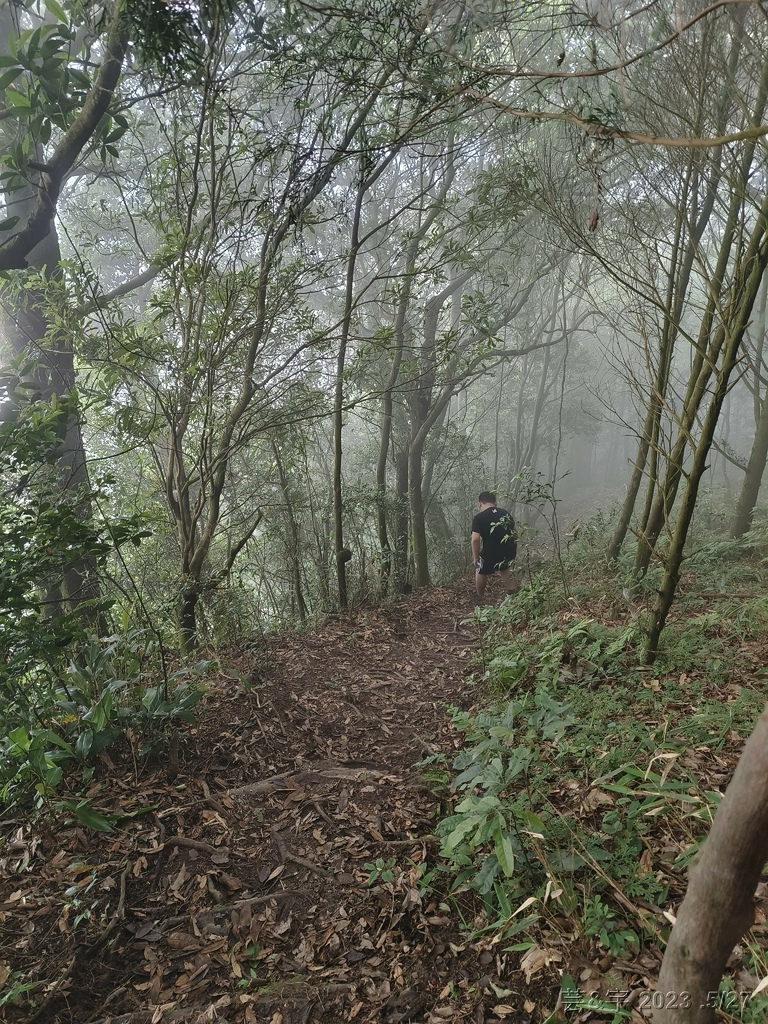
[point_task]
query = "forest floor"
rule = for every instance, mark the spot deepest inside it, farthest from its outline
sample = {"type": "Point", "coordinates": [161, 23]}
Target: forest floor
{"type": "Point", "coordinates": [240, 887]}
{"type": "Point", "coordinates": [278, 866]}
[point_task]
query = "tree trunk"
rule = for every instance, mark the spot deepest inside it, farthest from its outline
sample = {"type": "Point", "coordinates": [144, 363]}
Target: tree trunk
{"type": "Point", "coordinates": [745, 506]}
{"type": "Point", "coordinates": [758, 456]}
{"type": "Point", "coordinates": [401, 520]}
{"type": "Point", "coordinates": [294, 549]}
{"type": "Point", "coordinates": [418, 514]}
{"type": "Point", "coordinates": [729, 336]}
{"type": "Point", "coordinates": [708, 347]}
{"type": "Point", "coordinates": [188, 618]}
{"type": "Point", "coordinates": [718, 907]}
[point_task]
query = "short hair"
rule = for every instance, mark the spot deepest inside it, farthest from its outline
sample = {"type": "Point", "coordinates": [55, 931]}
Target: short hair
{"type": "Point", "coordinates": [487, 497]}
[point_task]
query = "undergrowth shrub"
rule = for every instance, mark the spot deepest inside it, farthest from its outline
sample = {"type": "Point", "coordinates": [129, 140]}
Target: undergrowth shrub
{"type": "Point", "coordinates": [587, 775]}
{"type": "Point", "coordinates": [64, 691]}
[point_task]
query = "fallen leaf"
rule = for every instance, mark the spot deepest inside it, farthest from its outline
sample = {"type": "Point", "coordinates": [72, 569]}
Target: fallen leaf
{"type": "Point", "coordinates": [182, 940]}
{"type": "Point", "coordinates": [179, 880]}
{"type": "Point", "coordinates": [596, 797]}
{"type": "Point", "coordinates": [536, 960]}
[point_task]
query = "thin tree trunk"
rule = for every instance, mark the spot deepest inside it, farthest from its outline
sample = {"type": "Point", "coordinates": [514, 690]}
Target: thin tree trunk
{"type": "Point", "coordinates": [758, 456]}
{"type": "Point", "coordinates": [678, 283]}
{"type": "Point", "coordinates": [401, 520]}
{"type": "Point", "coordinates": [677, 287]}
{"type": "Point", "coordinates": [293, 526]}
{"type": "Point", "coordinates": [401, 330]}
{"type": "Point", "coordinates": [729, 336]}
{"type": "Point", "coordinates": [418, 513]}
{"type": "Point", "coordinates": [340, 552]}
{"type": "Point", "coordinates": [707, 354]}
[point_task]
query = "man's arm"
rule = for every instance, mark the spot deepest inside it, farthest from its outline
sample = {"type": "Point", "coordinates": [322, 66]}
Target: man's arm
{"type": "Point", "coordinates": [475, 543]}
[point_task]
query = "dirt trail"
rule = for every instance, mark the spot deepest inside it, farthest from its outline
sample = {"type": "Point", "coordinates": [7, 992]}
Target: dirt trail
{"type": "Point", "coordinates": [241, 888]}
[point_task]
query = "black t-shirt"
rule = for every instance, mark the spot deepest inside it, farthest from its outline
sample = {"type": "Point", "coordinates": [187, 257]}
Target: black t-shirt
{"type": "Point", "coordinates": [497, 528]}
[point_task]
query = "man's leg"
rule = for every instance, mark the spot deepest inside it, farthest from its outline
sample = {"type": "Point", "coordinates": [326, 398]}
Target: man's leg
{"type": "Point", "coordinates": [506, 577]}
{"type": "Point", "coordinates": [480, 583]}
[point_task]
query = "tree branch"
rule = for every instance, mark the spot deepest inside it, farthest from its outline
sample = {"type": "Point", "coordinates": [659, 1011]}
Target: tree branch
{"type": "Point", "coordinates": [100, 301]}
{"type": "Point", "coordinates": [604, 132]}
{"type": "Point", "coordinates": [14, 251]}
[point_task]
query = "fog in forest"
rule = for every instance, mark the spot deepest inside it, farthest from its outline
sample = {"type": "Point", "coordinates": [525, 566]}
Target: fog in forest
{"type": "Point", "coordinates": [313, 282]}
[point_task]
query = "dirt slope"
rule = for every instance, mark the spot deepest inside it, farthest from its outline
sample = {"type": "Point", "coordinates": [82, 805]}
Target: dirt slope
{"type": "Point", "coordinates": [241, 889]}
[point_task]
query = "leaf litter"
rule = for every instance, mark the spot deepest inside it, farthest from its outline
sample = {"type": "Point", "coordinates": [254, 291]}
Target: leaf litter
{"type": "Point", "coordinates": [238, 890]}
{"type": "Point", "coordinates": [277, 876]}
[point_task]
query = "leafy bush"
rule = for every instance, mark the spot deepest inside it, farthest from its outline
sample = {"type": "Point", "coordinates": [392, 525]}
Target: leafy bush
{"type": "Point", "coordinates": [101, 696]}
{"type": "Point", "coordinates": [586, 719]}
{"type": "Point", "coordinates": [488, 834]}
{"type": "Point", "coordinates": [64, 692]}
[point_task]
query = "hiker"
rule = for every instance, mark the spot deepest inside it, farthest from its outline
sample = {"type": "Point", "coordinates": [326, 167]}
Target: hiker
{"type": "Point", "coordinates": [493, 542]}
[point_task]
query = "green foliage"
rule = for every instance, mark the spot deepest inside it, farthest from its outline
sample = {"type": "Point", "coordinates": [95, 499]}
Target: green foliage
{"type": "Point", "coordinates": [608, 756]}
{"type": "Point", "coordinates": [47, 538]}
{"type": "Point", "coordinates": [102, 696]}
{"type": "Point", "coordinates": [106, 692]}
{"type": "Point", "coordinates": [15, 988]}
{"type": "Point", "coordinates": [600, 922]}
{"type": "Point", "coordinates": [65, 694]}
{"type": "Point", "coordinates": [488, 835]}
{"type": "Point", "coordinates": [381, 870]}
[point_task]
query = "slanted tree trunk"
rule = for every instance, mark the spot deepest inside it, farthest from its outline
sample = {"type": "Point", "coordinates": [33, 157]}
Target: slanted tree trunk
{"type": "Point", "coordinates": [678, 281]}
{"type": "Point", "coordinates": [758, 456]}
{"type": "Point", "coordinates": [711, 340]}
{"type": "Point", "coordinates": [718, 907]}
{"type": "Point", "coordinates": [727, 340]}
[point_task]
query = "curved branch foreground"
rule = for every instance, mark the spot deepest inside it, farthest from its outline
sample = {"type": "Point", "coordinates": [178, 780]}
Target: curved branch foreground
{"type": "Point", "coordinates": [718, 907]}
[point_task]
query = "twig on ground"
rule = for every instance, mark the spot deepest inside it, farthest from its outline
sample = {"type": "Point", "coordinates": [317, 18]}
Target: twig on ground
{"type": "Point", "coordinates": [286, 855]}
{"type": "Point", "coordinates": [212, 801]}
{"type": "Point", "coordinates": [42, 1010]}
{"type": "Point", "coordinates": [117, 918]}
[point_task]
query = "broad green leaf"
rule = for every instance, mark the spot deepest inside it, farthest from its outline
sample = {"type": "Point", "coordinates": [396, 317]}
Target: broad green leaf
{"type": "Point", "coordinates": [89, 817]}
{"type": "Point", "coordinates": [452, 841]}
{"type": "Point", "coordinates": [486, 876]}
{"type": "Point", "coordinates": [9, 76]}
{"type": "Point", "coordinates": [17, 99]}
{"type": "Point", "coordinates": [20, 738]}
{"type": "Point", "coordinates": [533, 822]}
{"type": "Point", "coordinates": [57, 11]}
{"type": "Point", "coordinates": [84, 743]}
{"type": "Point", "coordinates": [504, 851]}
{"type": "Point", "coordinates": [8, 223]}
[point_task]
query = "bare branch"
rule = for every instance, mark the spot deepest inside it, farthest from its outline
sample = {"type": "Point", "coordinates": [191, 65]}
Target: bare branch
{"type": "Point", "coordinates": [603, 132]}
